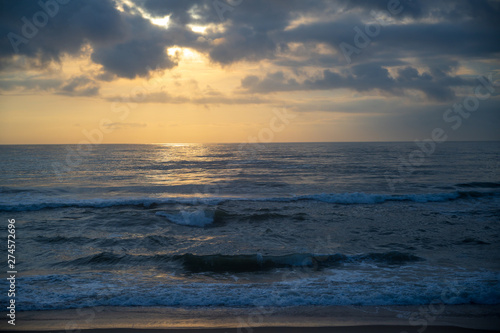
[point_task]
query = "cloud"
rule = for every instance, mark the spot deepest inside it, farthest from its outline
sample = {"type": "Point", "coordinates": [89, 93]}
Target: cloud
{"type": "Point", "coordinates": [30, 84]}
{"type": "Point", "coordinates": [210, 97]}
{"type": "Point", "coordinates": [141, 52]}
{"type": "Point", "coordinates": [75, 86]}
{"type": "Point", "coordinates": [125, 44]}
{"type": "Point", "coordinates": [65, 32]}
{"type": "Point", "coordinates": [121, 125]}
{"type": "Point", "coordinates": [79, 86]}
{"type": "Point", "coordinates": [155, 97]}
{"type": "Point", "coordinates": [180, 11]}
{"type": "Point", "coordinates": [417, 49]}
{"type": "Point", "coordinates": [362, 78]}
{"type": "Point", "coordinates": [450, 10]}
{"type": "Point", "coordinates": [243, 44]}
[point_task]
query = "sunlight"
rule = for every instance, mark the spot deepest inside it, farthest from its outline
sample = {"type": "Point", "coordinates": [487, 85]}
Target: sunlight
{"type": "Point", "coordinates": [159, 21]}
{"type": "Point", "coordinates": [198, 28]}
{"type": "Point", "coordinates": [162, 22]}
{"type": "Point", "coordinates": [180, 144]}
{"type": "Point", "coordinates": [185, 52]}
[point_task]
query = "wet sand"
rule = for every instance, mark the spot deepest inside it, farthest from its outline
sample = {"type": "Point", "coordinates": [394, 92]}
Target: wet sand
{"type": "Point", "coordinates": [355, 329]}
{"type": "Point", "coordinates": [431, 318]}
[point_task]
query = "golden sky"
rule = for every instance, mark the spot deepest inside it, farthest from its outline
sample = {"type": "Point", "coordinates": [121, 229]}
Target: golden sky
{"type": "Point", "coordinates": [187, 74]}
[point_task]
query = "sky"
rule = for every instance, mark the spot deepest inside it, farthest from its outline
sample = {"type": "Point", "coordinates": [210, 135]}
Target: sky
{"type": "Point", "coordinates": [159, 71]}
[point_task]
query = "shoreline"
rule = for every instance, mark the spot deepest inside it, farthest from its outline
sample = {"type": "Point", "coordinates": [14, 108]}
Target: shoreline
{"type": "Point", "coordinates": [409, 318]}
{"type": "Point", "coordinates": [335, 329]}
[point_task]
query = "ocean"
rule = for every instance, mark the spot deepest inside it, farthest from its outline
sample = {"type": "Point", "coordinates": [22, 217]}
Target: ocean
{"type": "Point", "coordinates": [253, 225]}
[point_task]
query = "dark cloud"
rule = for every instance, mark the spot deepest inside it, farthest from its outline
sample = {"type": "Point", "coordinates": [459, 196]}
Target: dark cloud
{"type": "Point", "coordinates": [243, 44]}
{"type": "Point", "coordinates": [142, 56]}
{"type": "Point", "coordinates": [125, 45]}
{"type": "Point", "coordinates": [76, 86]}
{"type": "Point", "coordinates": [416, 49]}
{"type": "Point", "coordinates": [449, 10]}
{"type": "Point", "coordinates": [252, 28]}
{"type": "Point", "coordinates": [65, 32]}
{"type": "Point", "coordinates": [397, 41]}
{"type": "Point", "coordinates": [363, 77]}
{"type": "Point", "coordinates": [180, 11]}
{"type": "Point", "coordinates": [79, 86]}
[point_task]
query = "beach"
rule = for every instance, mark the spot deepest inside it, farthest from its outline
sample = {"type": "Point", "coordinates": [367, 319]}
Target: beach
{"type": "Point", "coordinates": [457, 318]}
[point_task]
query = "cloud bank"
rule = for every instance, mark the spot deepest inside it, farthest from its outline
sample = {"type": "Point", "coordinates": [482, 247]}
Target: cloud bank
{"type": "Point", "coordinates": [394, 47]}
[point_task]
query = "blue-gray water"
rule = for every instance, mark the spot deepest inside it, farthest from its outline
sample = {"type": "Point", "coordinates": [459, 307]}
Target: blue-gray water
{"type": "Point", "coordinates": [253, 225]}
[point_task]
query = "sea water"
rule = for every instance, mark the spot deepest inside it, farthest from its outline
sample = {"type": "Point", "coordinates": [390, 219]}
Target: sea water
{"type": "Point", "coordinates": [246, 225]}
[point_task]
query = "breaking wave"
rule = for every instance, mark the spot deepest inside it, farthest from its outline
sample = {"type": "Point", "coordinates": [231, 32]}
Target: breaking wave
{"type": "Point", "coordinates": [334, 198]}
{"type": "Point", "coordinates": [219, 263]}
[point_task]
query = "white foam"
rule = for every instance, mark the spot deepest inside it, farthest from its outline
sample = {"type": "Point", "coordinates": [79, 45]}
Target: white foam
{"type": "Point", "coordinates": [37, 203]}
{"type": "Point", "coordinates": [342, 287]}
{"type": "Point", "coordinates": [50, 202]}
{"type": "Point", "coordinates": [197, 218]}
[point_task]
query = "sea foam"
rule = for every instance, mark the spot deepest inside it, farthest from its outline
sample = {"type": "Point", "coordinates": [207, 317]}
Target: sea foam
{"type": "Point", "coordinates": [45, 202]}
{"type": "Point", "coordinates": [197, 218]}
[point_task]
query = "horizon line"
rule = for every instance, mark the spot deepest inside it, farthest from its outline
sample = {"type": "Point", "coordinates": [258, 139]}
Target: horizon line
{"type": "Point", "coordinates": [201, 143]}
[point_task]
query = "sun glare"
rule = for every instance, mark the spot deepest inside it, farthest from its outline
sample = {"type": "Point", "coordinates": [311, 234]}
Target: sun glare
{"type": "Point", "coordinates": [162, 22]}
{"type": "Point", "coordinates": [186, 53]}
{"type": "Point", "coordinates": [198, 28]}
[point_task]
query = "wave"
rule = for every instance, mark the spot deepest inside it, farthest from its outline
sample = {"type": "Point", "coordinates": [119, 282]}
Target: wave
{"type": "Point", "coordinates": [105, 203]}
{"type": "Point", "coordinates": [334, 198]}
{"type": "Point", "coordinates": [479, 185]}
{"type": "Point", "coordinates": [219, 263]}
{"type": "Point", "coordinates": [346, 287]}
{"type": "Point", "coordinates": [61, 240]}
{"type": "Point", "coordinates": [366, 198]}
{"type": "Point", "coordinates": [146, 242]}
{"type": "Point", "coordinates": [256, 262]}
{"type": "Point", "coordinates": [197, 218]}
{"type": "Point", "coordinates": [472, 241]}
